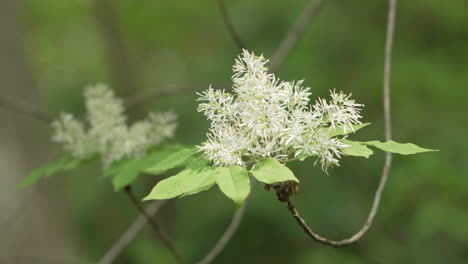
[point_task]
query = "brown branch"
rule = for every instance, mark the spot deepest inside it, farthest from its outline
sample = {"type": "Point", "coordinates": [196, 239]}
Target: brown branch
{"type": "Point", "coordinates": [388, 156]}
{"type": "Point", "coordinates": [229, 25]}
{"type": "Point", "coordinates": [26, 109]}
{"type": "Point", "coordinates": [226, 237]}
{"type": "Point", "coordinates": [154, 225]}
{"type": "Point", "coordinates": [289, 42]}
{"type": "Point", "coordinates": [130, 234]}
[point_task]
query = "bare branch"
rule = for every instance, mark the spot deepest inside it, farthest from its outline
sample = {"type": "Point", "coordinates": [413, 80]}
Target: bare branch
{"type": "Point", "coordinates": [25, 108]}
{"type": "Point", "coordinates": [129, 235]}
{"type": "Point", "coordinates": [289, 42]}
{"type": "Point", "coordinates": [229, 26]}
{"type": "Point", "coordinates": [388, 156]}
{"type": "Point", "coordinates": [146, 96]}
{"type": "Point", "coordinates": [41, 259]}
{"type": "Point", "coordinates": [154, 224]}
{"type": "Point", "coordinates": [23, 206]}
{"type": "Point", "coordinates": [226, 237]}
{"type": "Point", "coordinates": [152, 94]}
{"type": "Point", "coordinates": [277, 61]}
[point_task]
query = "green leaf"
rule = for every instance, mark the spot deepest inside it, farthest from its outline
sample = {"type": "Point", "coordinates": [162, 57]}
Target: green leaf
{"type": "Point", "coordinates": [356, 149]}
{"type": "Point", "coordinates": [271, 171]}
{"type": "Point", "coordinates": [115, 167]}
{"type": "Point", "coordinates": [186, 182]}
{"type": "Point", "coordinates": [65, 163]}
{"type": "Point", "coordinates": [234, 183]}
{"type": "Point", "coordinates": [172, 160]}
{"type": "Point", "coordinates": [339, 131]}
{"type": "Point", "coordinates": [126, 171]}
{"type": "Point", "coordinates": [395, 147]}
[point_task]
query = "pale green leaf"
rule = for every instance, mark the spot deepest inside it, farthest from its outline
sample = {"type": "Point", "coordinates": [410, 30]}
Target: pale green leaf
{"type": "Point", "coordinates": [356, 149]}
{"type": "Point", "coordinates": [115, 167]}
{"type": "Point", "coordinates": [65, 163]}
{"type": "Point", "coordinates": [271, 171]}
{"type": "Point", "coordinates": [395, 147]}
{"type": "Point", "coordinates": [126, 171]}
{"type": "Point", "coordinates": [234, 183]}
{"type": "Point", "coordinates": [188, 181]}
{"type": "Point", "coordinates": [172, 160]}
{"type": "Point", "coordinates": [340, 131]}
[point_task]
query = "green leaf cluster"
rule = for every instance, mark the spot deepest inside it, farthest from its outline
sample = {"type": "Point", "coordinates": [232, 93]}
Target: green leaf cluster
{"type": "Point", "coordinates": [198, 176]}
{"type": "Point", "coordinates": [233, 181]}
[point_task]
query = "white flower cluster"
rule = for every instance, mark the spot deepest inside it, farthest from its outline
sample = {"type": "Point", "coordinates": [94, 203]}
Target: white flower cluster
{"type": "Point", "coordinates": [108, 134]}
{"type": "Point", "coordinates": [265, 117]}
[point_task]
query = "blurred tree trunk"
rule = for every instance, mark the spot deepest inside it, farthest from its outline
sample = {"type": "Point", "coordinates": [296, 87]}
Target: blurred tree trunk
{"type": "Point", "coordinates": [37, 229]}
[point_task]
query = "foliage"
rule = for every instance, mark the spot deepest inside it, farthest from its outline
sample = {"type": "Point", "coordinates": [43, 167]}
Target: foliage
{"type": "Point", "coordinates": [267, 125]}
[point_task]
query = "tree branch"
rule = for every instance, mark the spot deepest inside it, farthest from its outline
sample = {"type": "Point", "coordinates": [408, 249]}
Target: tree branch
{"type": "Point", "coordinates": [129, 235]}
{"type": "Point", "coordinates": [226, 237]}
{"type": "Point", "coordinates": [229, 25]}
{"type": "Point", "coordinates": [145, 96]}
{"type": "Point", "coordinates": [41, 259]}
{"type": "Point", "coordinates": [26, 109]}
{"type": "Point", "coordinates": [277, 61]}
{"type": "Point", "coordinates": [154, 224]}
{"type": "Point", "coordinates": [388, 156]}
{"type": "Point", "coordinates": [289, 42]}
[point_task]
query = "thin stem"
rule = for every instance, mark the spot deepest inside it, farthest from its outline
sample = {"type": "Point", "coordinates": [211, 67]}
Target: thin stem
{"type": "Point", "coordinates": [229, 25]}
{"type": "Point", "coordinates": [388, 156]}
{"type": "Point", "coordinates": [154, 224]}
{"type": "Point", "coordinates": [226, 237]}
{"type": "Point", "coordinates": [21, 209]}
{"type": "Point", "coordinates": [129, 235]}
{"type": "Point", "coordinates": [289, 42]}
{"type": "Point", "coordinates": [26, 109]}
{"type": "Point", "coordinates": [41, 259]}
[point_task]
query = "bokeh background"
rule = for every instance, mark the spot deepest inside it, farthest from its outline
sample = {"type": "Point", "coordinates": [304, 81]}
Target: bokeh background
{"type": "Point", "coordinates": [51, 49]}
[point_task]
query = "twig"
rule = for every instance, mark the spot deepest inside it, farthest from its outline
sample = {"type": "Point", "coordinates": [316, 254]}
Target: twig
{"type": "Point", "coordinates": [388, 156]}
{"type": "Point", "coordinates": [229, 26]}
{"type": "Point", "coordinates": [154, 224]}
{"type": "Point", "coordinates": [41, 259]}
{"type": "Point", "coordinates": [130, 234]}
{"type": "Point", "coordinates": [21, 209]}
{"type": "Point", "coordinates": [226, 237]}
{"type": "Point", "coordinates": [145, 96]}
{"type": "Point", "coordinates": [288, 43]}
{"type": "Point", "coordinates": [277, 61]}
{"type": "Point", "coordinates": [26, 109]}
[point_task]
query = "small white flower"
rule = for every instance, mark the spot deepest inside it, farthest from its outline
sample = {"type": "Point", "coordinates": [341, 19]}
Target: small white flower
{"type": "Point", "coordinates": [267, 117]}
{"type": "Point", "coordinates": [108, 134]}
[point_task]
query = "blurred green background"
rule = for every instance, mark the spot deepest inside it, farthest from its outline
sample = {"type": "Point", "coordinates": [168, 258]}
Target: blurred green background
{"type": "Point", "coordinates": [51, 49]}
